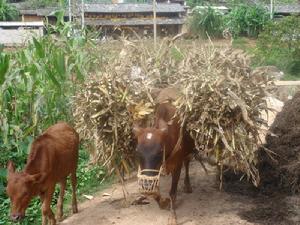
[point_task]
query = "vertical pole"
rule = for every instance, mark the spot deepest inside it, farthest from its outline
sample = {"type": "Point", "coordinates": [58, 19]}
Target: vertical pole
{"type": "Point", "coordinates": [154, 24]}
{"type": "Point", "coordinates": [70, 11]}
{"type": "Point", "coordinates": [271, 9]}
{"type": "Point", "coordinates": [82, 14]}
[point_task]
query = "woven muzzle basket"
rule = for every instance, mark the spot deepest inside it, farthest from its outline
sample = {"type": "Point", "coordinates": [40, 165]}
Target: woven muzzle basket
{"type": "Point", "coordinates": [149, 185]}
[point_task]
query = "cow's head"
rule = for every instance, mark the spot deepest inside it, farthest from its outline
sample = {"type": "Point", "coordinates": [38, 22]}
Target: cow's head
{"type": "Point", "coordinates": [21, 188]}
{"type": "Point", "coordinates": [150, 151]}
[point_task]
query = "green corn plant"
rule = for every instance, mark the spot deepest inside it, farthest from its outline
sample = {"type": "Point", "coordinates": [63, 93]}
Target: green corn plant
{"type": "Point", "coordinates": [37, 83]}
{"type": "Point", "coordinates": [246, 20]}
{"type": "Point", "coordinates": [206, 21]}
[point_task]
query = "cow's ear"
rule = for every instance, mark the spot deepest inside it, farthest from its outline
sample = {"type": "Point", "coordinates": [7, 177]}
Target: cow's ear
{"type": "Point", "coordinates": [36, 178]}
{"type": "Point", "coordinates": [10, 167]}
{"type": "Point", "coordinates": [163, 126]}
{"type": "Point", "coordinates": [137, 130]}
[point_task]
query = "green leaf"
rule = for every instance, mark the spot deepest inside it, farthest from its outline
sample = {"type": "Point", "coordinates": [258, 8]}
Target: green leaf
{"type": "Point", "coordinates": [4, 66]}
{"type": "Point", "coordinates": [39, 48]}
{"type": "Point", "coordinates": [59, 64]}
{"type": "Point", "coordinates": [51, 75]}
{"type": "Point", "coordinates": [3, 172]}
{"type": "Point", "coordinates": [2, 188]}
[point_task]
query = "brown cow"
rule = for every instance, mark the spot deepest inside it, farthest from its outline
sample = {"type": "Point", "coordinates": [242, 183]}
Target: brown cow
{"type": "Point", "coordinates": [53, 156]}
{"type": "Point", "coordinates": [151, 144]}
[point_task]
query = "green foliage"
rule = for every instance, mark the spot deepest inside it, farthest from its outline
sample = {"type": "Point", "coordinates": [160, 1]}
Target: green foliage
{"type": "Point", "coordinates": [8, 12]}
{"type": "Point", "coordinates": [246, 20]}
{"type": "Point", "coordinates": [36, 86]}
{"type": "Point", "coordinates": [279, 45]}
{"type": "Point", "coordinates": [206, 21]}
{"type": "Point", "coordinates": [193, 3]}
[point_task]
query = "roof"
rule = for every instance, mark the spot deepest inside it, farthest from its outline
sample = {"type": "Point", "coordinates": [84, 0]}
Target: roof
{"type": "Point", "coordinates": [112, 8]}
{"type": "Point", "coordinates": [133, 22]}
{"type": "Point", "coordinates": [21, 24]}
{"type": "Point", "coordinates": [286, 9]}
{"type": "Point", "coordinates": [39, 12]}
{"type": "Point", "coordinates": [134, 8]}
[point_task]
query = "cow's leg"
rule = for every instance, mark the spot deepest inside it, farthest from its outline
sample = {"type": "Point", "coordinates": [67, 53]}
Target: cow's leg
{"type": "Point", "coordinates": [74, 184]}
{"type": "Point", "coordinates": [187, 184]}
{"type": "Point", "coordinates": [173, 195]}
{"type": "Point", "coordinates": [60, 202]}
{"type": "Point", "coordinates": [175, 179]}
{"type": "Point", "coordinates": [44, 217]}
{"type": "Point", "coordinates": [164, 203]}
{"type": "Point", "coordinates": [46, 209]}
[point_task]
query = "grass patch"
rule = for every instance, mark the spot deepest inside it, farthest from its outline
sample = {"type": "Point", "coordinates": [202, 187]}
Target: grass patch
{"type": "Point", "coordinates": [245, 44]}
{"type": "Point", "coordinates": [275, 59]}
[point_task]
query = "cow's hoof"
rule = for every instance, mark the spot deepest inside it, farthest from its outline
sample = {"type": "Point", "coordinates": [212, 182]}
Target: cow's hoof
{"type": "Point", "coordinates": [172, 220]}
{"type": "Point", "coordinates": [52, 222]}
{"type": "Point", "coordinates": [75, 209]}
{"type": "Point", "coordinates": [164, 203]}
{"type": "Point", "coordinates": [59, 218]}
{"type": "Point", "coordinates": [187, 189]}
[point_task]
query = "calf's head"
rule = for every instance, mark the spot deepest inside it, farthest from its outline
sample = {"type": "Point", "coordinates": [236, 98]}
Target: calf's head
{"type": "Point", "coordinates": [21, 188]}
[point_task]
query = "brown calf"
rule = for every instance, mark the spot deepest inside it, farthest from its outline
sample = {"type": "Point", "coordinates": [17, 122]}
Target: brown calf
{"type": "Point", "coordinates": [53, 156]}
{"type": "Point", "coordinates": [153, 143]}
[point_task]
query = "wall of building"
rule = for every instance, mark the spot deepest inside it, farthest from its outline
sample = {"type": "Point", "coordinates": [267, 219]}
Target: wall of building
{"type": "Point", "coordinates": [13, 37]}
{"type": "Point", "coordinates": [32, 18]}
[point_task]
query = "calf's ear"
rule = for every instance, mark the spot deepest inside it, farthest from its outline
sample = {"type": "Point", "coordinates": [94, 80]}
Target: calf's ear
{"type": "Point", "coordinates": [36, 178]}
{"type": "Point", "coordinates": [10, 167]}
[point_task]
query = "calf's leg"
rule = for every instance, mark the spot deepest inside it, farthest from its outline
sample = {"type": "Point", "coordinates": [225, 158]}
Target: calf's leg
{"type": "Point", "coordinates": [60, 202]}
{"type": "Point", "coordinates": [47, 213]}
{"type": "Point", "coordinates": [74, 184]}
{"type": "Point", "coordinates": [187, 184]}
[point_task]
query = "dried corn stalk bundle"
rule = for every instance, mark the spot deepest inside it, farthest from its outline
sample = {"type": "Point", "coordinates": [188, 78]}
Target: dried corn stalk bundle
{"type": "Point", "coordinates": [109, 102]}
{"type": "Point", "coordinates": [221, 103]}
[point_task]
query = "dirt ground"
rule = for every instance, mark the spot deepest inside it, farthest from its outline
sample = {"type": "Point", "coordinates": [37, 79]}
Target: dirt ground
{"type": "Point", "coordinates": [238, 204]}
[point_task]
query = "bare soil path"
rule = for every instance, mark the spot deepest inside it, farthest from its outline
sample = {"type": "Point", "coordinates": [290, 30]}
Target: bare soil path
{"type": "Point", "coordinates": [237, 204]}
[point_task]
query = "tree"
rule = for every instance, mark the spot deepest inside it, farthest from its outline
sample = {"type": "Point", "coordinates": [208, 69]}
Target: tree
{"type": "Point", "coordinates": [8, 12]}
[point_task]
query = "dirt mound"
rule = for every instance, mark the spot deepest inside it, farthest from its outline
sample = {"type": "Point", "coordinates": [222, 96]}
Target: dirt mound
{"type": "Point", "coordinates": [280, 170]}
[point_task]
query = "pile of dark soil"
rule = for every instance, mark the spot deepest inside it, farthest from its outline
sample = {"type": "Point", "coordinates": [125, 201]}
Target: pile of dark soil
{"type": "Point", "coordinates": [280, 170]}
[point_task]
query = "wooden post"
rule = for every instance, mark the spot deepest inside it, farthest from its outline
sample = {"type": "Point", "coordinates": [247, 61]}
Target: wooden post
{"type": "Point", "coordinates": [271, 9]}
{"type": "Point", "coordinates": [70, 11]}
{"type": "Point", "coordinates": [154, 24]}
{"type": "Point", "coordinates": [82, 14]}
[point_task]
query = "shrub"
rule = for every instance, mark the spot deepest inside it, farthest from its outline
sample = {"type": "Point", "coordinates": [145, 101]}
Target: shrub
{"type": "Point", "coordinates": [246, 20]}
{"type": "Point", "coordinates": [206, 21]}
{"type": "Point", "coordinates": [8, 12]}
{"type": "Point", "coordinates": [279, 44]}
